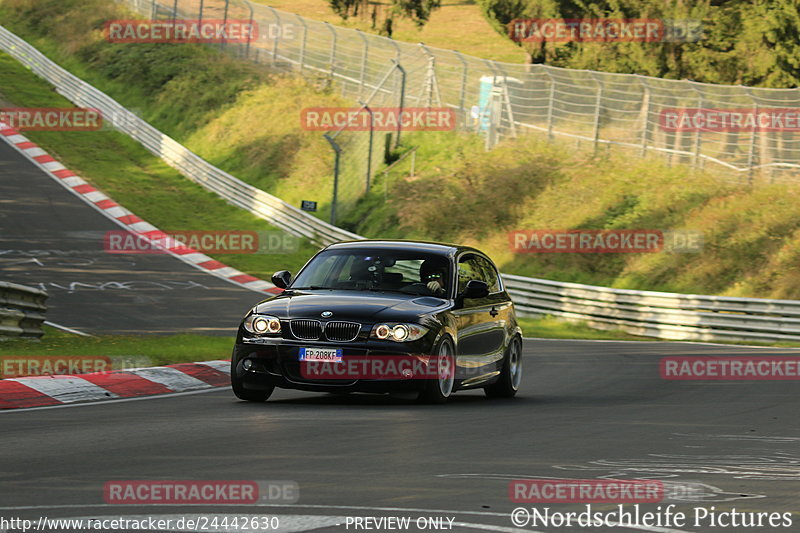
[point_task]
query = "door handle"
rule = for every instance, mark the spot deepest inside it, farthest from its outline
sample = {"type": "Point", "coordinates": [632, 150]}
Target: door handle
{"type": "Point", "coordinates": [494, 311]}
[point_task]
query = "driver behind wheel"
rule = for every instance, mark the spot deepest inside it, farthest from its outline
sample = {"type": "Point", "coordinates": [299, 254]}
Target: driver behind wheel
{"type": "Point", "coordinates": [433, 273]}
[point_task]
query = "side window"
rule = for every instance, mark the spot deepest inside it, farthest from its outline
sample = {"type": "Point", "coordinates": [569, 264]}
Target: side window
{"type": "Point", "coordinates": [474, 267]}
{"type": "Point", "coordinates": [468, 269]}
{"type": "Point", "coordinates": [489, 274]}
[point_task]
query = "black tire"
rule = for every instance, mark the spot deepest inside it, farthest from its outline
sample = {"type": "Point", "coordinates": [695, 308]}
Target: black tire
{"type": "Point", "coordinates": [510, 377]}
{"type": "Point", "coordinates": [250, 395]}
{"type": "Point", "coordinates": [436, 391]}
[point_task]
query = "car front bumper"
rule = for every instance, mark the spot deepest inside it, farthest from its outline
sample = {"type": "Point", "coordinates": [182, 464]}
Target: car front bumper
{"type": "Point", "coordinates": [275, 362]}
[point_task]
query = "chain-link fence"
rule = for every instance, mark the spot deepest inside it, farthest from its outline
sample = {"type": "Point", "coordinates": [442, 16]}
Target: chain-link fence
{"type": "Point", "coordinates": [500, 100]}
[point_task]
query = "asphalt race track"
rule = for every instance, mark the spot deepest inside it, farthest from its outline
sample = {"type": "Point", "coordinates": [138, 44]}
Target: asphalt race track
{"type": "Point", "coordinates": [52, 240]}
{"type": "Point", "coordinates": [586, 410]}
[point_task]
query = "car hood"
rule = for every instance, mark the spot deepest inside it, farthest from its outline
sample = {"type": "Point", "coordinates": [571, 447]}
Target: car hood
{"type": "Point", "coordinates": [349, 305]}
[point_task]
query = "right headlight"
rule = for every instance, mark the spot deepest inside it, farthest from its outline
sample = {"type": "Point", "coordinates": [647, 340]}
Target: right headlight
{"type": "Point", "coordinates": [398, 332]}
{"type": "Point", "coordinates": [262, 324]}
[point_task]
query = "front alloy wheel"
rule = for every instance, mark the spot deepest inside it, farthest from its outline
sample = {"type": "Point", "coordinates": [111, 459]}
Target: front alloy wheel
{"type": "Point", "coordinates": [439, 390]}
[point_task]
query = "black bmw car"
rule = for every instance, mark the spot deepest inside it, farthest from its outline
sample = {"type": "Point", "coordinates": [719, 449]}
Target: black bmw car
{"type": "Point", "coordinates": [430, 305]}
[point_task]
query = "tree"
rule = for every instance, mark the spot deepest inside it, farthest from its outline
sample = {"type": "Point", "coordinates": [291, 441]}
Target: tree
{"type": "Point", "coordinates": [418, 11]}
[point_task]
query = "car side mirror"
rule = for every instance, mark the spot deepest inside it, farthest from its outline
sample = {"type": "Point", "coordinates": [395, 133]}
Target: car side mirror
{"type": "Point", "coordinates": [282, 279]}
{"type": "Point", "coordinates": [476, 289]}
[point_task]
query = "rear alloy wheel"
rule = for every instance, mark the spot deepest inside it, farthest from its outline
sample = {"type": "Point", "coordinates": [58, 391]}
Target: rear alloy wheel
{"type": "Point", "coordinates": [439, 390]}
{"type": "Point", "coordinates": [250, 395]}
{"type": "Point", "coordinates": [510, 378]}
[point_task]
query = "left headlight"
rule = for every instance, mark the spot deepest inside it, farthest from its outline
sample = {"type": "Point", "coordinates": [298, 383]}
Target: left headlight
{"type": "Point", "coordinates": [262, 324]}
{"type": "Point", "coordinates": [398, 332]}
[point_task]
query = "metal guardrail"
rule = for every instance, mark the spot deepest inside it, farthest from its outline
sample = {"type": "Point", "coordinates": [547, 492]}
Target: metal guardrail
{"type": "Point", "coordinates": [506, 99]}
{"type": "Point", "coordinates": [659, 314]}
{"type": "Point", "coordinates": [647, 313]}
{"type": "Point", "coordinates": [234, 190]}
{"type": "Point", "coordinates": [21, 311]}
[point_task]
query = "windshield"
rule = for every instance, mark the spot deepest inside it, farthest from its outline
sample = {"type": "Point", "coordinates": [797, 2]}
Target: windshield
{"type": "Point", "coordinates": [377, 270]}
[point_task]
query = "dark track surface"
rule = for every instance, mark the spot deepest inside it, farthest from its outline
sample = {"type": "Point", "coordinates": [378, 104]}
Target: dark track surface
{"type": "Point", "coordinates": [51, 239]}
{"type": "Point", "coordinates": [587, 410]}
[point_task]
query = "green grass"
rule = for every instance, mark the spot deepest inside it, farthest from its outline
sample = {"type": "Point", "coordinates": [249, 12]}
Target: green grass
{"type": "Point", "coordinates": [553, 328]}
{"type": "Point", "coordinates": [140, 181]}
{"type": "Point", "coordinates": [245, 121]}
{"type": "Point", "coordinates": [460, 193]}
{"type": "Point", "coordinates": [127, 350]}
{"type": "Point", "coordinates": [456, 25]}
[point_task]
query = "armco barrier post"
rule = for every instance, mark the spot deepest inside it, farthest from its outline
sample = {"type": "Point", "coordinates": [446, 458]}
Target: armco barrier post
{"type": "Point", "coordinates": [302, 21]}
{"type": "Point", "coordinates": [364, 55]}
{"type": "Point", "coordinates": [550, 103]}
{"type": "Point", "coordinates": [277, 39]}
{"type": "Point", "coordinates": [250, 32]}
{"type": "Point", "coordinates": [597, 107]}
{"type": "Point", "coordinates": [337, 155]}
{"type": "Point", "coordinates": [646, 99]}
{"type": "Point", "coordinates": [401, 104]}
{"type": "Point", "coordinates": [395, 89]}
{"type": "Point", "coordinates": [333, 51]}
{"type": "Point", "coordinates": [751, 153]}
{"type": "Point", "coordinates": [463, 92]}
{"type": "Point", "coordinates": [224, 23]}
{"type": "Point", "coordinates": [698, 143]}
{"type": "Point", "coordinates": [369, 154]}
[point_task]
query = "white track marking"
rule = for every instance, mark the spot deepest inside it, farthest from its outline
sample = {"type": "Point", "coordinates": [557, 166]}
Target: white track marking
{"type": "Point", "coordinates": [171, 378]}
{"type": "Point", "coordinates": [79, 389]}
{"type": "Point", "coordinates": [65, 328]}
{"type": "Point", "coordinates": [222, 366]}
{"type": "Point", "coordinates": [119, 400]}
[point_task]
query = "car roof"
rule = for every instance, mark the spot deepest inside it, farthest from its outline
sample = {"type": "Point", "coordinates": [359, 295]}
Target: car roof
{"type": "Point", "coordinates": [438, 248]}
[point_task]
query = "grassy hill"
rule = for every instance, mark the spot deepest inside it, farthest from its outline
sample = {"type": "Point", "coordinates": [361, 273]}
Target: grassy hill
{"type": "Point", "coordinates": [245, 121]}
{"type": "Point", "coordinates": [457, 25]}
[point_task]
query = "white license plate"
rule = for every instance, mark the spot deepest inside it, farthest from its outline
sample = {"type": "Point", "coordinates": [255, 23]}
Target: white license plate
{"type": "Point", "coordinates": [330, 355]}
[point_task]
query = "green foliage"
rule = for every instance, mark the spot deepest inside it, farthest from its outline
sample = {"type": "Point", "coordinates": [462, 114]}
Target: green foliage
{"type": "Point", "coordinates": [417, 11]}
{"type": "Point", "coordinates": [750, 42]}
{"type": "Point", "coordinates": [237, 118]}
{"type": "Point", "coordinates": [144, 350]}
